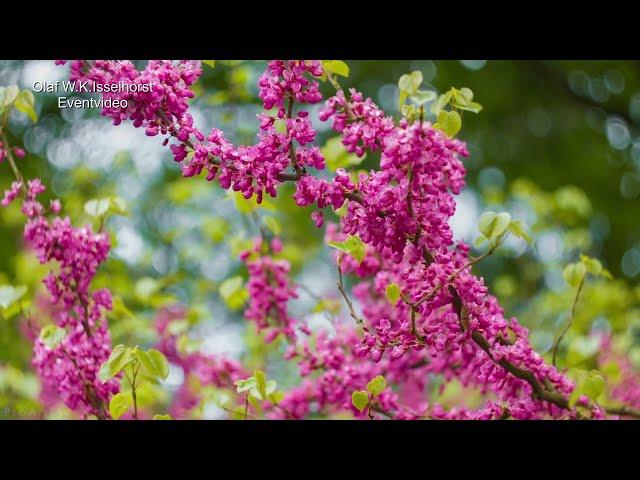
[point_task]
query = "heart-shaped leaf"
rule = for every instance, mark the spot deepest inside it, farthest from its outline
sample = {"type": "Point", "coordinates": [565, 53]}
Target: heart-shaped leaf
{"type": "Point", "coordinates": [336, 66]}
{"type": "Point", "coordinates": [449, 122]}
{"type": "Point", "coordinates": [574, 273]}
{"type": "Point", "coordinates": [97, 207]}
{"type": "Point", "coordinates": [119, 404]}
{"type": "Point", "coordinates": [393, 293]}
{"type": "Point", "coordinates": [423, 96]}
{"type": "Point", "coordinates": [359, 399]}
{"type": "Point", "coordinates": [493, 225]}
{"type": "Point", "coordinates": [410, 83]}
{"type": "Point", "coordinates": [377, 385]}
{"type": "Point", "coordinates": [10, 294]}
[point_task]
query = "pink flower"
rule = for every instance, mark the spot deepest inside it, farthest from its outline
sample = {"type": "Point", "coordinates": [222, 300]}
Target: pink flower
{"type": "Point", "coordinates": [318, 218]}
{"type": "Point", "coordinates": [11, 194]}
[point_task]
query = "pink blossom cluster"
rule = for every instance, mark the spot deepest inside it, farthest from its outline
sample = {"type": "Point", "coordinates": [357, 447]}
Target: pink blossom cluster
{"type": "Point", "coordinates": [626, 388]}
{"type": "Point", "coordinates": [12, 193]}
{"type": "Point", "coordinates": [269, 290]}
{"type": "Point", "coordinates": [362, 124]}
{"type": "Point", "coordinates": [332, 371]}
{"type": "Point", "coordinates": [207, 369]}
{"type": "Point", "coordinates": [312, 190]}
{"type": "Point", "coordinates": [401, 212]}
{"type": "Point", "coordinates": [159, 108]}
{"type": "Point", "coordinates": [438, 334]}
{"type": "Point", "coordinates": [70, 367]}
{"type": "Point", "coordinates": [253, 169]}
{"type": "Point", "coordinates": [17, 151]}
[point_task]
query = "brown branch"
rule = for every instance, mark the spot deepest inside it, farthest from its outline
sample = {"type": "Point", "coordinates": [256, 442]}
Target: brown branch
{"type": "Point", "coordinates": [539, 390]}
{"type": "Point", "coordinates": [623, 411]}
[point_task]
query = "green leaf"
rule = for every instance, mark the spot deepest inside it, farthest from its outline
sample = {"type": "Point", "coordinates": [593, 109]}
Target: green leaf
{"type": "Point", "coordinates": [119, 205]}
{"type": "Point", "coordinates": [255, 401]}
{"type": "Point", "coordinates": [8, 94]}
{"type": "Point", "coordinates": [493, 225]}
{"type": "Point", "coordinates": [466, 93]}
{"type": "Point", "coordinates": [246, 384]}
{"type": "Point", "coordinates": [479, 241]}
{"type": "Point", "coordinates": [336, 66]}
{"type": "Point", "coordinates": [612, 369]}
{"type": "Point", "coordinates": [408, 111]}
{"type": "Point", "coordinates": [576, 393]}
{"type": "Point", "coordinates": [423, 96]}
{"type": "Point", "coordinates": [97, 207]}
{"type": "Point", "coordinates": [120, 357]}
{"type": "Point", "coordinates": [410, 83]}
{"type": "Point", "coordinates": [273, 225]}
{"type": "Point", "coordinates": [276, 397]}
{"type": "Point", "coordinates": [441, 102]}
{"type": "Point", "coordinates": [210, 63]}
{"type": "Point", "coordinates": [393, 293]}
{"type": "Point", "coordinates": [353, 246]}
{"type": "Point", "coordinates": [119, 404]}
{"type": "Point", "coordinates": [25, 102]}
{"type": "Point", "coordinates": [160, 363]}
{"type": "Point", "coordinates": [233, 293]}
{"type": "Point", "coordinates": [517, 228]}
{"type": "Point", "coordinates": [166, 416]}
{"type": "Point", "coordinates": [271, 387]}
{"type": "Point", "coordinates": [261, 383]}
{"type": "Point", "coordinates": [402, 98]}
{"type": "Point", "coordinates": [449, 122]}
{"type": "Point", "coordinates": [593, 385]}
{"type": "Point", "coordinates": [147, 364]}
{"type": "Point", "coordinates": [10, 294]}
{"type": "Point", "coordinates": [359, 399]}
{"type": "Point", "coordinates": [336, 156]}
{"type": "Point", "coordinates": [462, 100]}
{"type": "Point", "coordinates": [607, 274]}
{"type": "Point", "coordinates": [377, 385]}
{"type": "Point", "coordinates": [574, 273]}
{"type": "Point", "coordinates": [52, 335]}
{"type": "Point", "coordinates": [593, 265]}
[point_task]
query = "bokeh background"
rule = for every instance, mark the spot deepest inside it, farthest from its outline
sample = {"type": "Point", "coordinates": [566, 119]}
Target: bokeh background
{"type": "Point", "coordinates": [557, 145]}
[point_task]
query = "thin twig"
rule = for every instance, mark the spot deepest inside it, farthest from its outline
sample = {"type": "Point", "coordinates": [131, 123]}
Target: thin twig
{"type": "Point", "coordinates": [340, 286]}
{"type": "Point", "coordinates": [569, 320]}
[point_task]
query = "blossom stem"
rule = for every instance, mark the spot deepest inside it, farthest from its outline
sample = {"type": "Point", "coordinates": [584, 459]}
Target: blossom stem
{"type": "Point", "coordinates": [12, 162]}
